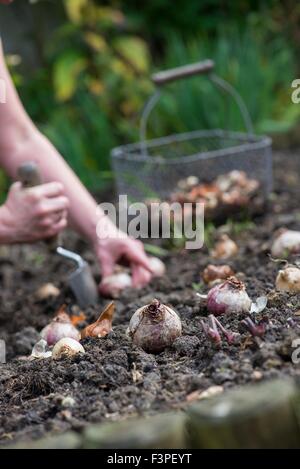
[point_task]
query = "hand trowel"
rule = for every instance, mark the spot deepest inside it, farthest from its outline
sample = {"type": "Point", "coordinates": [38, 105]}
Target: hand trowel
{"type": "Point", "coordinates": [81, 280]}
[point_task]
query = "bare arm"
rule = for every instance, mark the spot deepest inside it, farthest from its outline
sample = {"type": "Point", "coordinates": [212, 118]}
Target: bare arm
{"type": "Point", "coordinates": [21, 141]}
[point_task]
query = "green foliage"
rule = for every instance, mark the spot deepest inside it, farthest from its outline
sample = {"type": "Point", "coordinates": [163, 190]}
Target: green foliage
{"type": "Point", "coordinates": [235, 227]}
{"type": "Point", "coordinates": [94, 77]}
{"type": "Point", "coordinates": [87, 96]}
{"type": "Point", "coordinates": [209, 234]}
{"type": "Point", "coordinates": [3, 186]}
{"type": "Point", "coordinates": [188, 18]}
{"type": "Point", "coordinates": [198, 287]}
{"type": "Point", "coordinates": [261, 73]}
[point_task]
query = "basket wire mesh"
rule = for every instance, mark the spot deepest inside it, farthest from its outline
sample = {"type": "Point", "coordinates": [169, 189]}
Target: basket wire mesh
{"type": "Point", "coordinates": [152, 168]}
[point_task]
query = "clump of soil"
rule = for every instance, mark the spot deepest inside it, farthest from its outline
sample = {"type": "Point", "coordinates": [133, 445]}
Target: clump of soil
{"type": "Point", "coordinates": [114, 379]}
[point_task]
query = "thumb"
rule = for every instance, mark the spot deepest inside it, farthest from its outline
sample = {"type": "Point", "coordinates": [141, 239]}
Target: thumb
{"type": "Point", "coordinates": [16, 187]}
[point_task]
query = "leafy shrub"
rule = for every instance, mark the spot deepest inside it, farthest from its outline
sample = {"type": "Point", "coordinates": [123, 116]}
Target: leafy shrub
{"type": "Point", "coordinates": [94, 78]}
{"type": "Point", "coordinates": [261, 73]}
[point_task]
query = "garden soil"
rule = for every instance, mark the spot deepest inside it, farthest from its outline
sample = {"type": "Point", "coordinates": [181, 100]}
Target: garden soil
{"type": "Point", "coordinates": [115, 380]}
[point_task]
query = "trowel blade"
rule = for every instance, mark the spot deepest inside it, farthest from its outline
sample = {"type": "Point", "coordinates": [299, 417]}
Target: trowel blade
{"type": "Point", "coordinates": [84, 286]}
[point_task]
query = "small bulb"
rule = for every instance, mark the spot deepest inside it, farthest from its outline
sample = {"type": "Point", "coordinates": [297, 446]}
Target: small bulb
{"type": "Point", "coordinates": [113, 285]}
{"type": "Point", "coordinates": [228, 297]}
{"type": "Point", "coordinates": [288, 280]}
{"type": "Point", "coordinates": [66, 348]}
{"type": "Point", "coordinates": [60, 327]}
{"type": "Point", "coordinates": [47, 291]}
{"type": "Point", "coordinates": [287, 242]}
{"type": "Point", "coordinates": [224, 248]}
{"type": "Point", "coordinates": [216, 273]}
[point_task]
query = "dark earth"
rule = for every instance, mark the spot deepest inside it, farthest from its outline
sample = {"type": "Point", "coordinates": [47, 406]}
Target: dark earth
{"type": "Point", "coordinates": [115, 380]}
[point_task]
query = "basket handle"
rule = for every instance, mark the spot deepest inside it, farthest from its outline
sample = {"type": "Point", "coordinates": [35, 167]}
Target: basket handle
{"type": "Point", "coordinates": [173, 74]}
{"type": "Point", "coordinates": [186, 71]}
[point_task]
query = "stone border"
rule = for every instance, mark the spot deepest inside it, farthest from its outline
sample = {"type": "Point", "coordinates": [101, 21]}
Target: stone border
{"type": "Point", "coordinates": [265, 415]}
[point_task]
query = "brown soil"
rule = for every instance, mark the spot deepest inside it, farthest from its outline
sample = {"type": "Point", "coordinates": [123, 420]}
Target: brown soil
{"type": "Point", "coordinates": [115, 380]}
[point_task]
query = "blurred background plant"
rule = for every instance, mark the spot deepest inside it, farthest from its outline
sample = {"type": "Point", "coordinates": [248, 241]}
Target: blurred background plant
{"type": "Point", "coordinates": [83, 69]}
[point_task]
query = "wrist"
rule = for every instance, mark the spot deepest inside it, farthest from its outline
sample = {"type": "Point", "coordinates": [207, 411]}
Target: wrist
{"type": "Point", "coordinates": [106, 230]}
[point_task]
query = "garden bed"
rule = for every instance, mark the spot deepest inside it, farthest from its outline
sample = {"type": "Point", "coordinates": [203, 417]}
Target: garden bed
{"type": "Point", "coordinates": [115, 380]}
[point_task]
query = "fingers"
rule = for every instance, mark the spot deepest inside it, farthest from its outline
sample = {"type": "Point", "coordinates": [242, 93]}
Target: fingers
{"type": "Point", "coordinates": [135, 254]}
{"type": "Point", "coordinates": [15, 187]}
{"type": "Point", "coordinates": [48, 221]}
{"type": "Point", "coordinates": [45, 199]}
{"type": "Point", "coordinates": [51, 206]}
{"type": "Point", "coordinates": [51, 189]}
{"type": "Point", "coordinates": [140, 276]}
{"type": "Point", "coordinates": [111, 252]}
{"type": "Point", "coordinates": [36, 213]}
{"type": "Point", "coordinates": [54, 229]}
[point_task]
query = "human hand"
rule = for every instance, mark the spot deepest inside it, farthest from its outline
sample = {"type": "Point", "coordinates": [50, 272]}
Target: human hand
{"type": "Point", "coordinates": [33, 214]}
{"type": "Point", "coordinates": [113, 251]}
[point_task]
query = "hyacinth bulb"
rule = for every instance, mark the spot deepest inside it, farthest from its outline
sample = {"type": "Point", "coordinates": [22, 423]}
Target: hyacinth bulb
{"type": "Point", "coordinates": [228, 297]}
{"type": "Point", "coordinates": [287, 242]}
{"type": "Point", "coordinates": [288, 280]}
{"type": "Point", "coordinates": [154, 327]}
{"type": "Point", "coordinates": [225, 248]}
{"type": "Point", "coordinates": [60, 327]}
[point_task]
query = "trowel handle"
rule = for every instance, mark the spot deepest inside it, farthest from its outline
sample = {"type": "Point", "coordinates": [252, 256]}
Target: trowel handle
{"type": "Point", "coordinates": [30, 176]}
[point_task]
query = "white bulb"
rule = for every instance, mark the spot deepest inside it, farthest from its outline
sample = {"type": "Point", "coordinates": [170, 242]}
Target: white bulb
{"type": "Point", "coordinates": [66, 348]}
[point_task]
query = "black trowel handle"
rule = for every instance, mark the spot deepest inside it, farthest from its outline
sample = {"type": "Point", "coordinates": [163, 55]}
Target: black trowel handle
{"type": "Point", "coordinates": [29, 175]}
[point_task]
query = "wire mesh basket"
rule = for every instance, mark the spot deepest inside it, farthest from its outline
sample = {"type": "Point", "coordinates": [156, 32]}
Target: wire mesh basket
{"type": "Point", "coordinates": [153, 168]}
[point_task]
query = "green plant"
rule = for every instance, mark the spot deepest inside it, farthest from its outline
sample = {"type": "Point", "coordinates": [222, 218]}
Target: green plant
{"type": "Point", "coordinates": [260, 72]}
{"type": "Point", "coordinates": [198, 287]}
{"type": "Point", "coordinates": [94, 82]}
{"type": "Point", "coordinates": [93, 78]}
{"type": "Point", "coordinates": [236, 227]}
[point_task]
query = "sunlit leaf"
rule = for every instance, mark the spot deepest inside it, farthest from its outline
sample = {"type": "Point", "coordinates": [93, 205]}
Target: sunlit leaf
{"type": "Point", "coordinates": [135, 51]}
{"type": "Point", "coordinates": [95, 41]}
{"type": "Point", "coordinates": [121, 68]}
{"type": "Point", "coordinates": [65, 74]}
{"type": "Point", "coordinates": [95, 86]}
{"type": "Point", "coordinates": [110, 16]}
{"type": "Point", "coordinates": [74, 9]}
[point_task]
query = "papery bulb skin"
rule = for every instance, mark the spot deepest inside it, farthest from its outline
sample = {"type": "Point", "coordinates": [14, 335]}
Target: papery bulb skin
{"type": "Point", "coordinates": [288, 280]}
{"type": "Point", "coordinates": [228, 297]}
{"type": "Point", "coordinates": [154, 327]}
{"type": "Point", "coordinates": [287, 242]}
{"type": "Point", "coordinates": [102, 326]}
{"type": "Point", "coordinates": [40, 350]}
{"type": "Point", "coordinates": [60, 327]}
{"type": "Point", "coordinates": [113, 285]}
